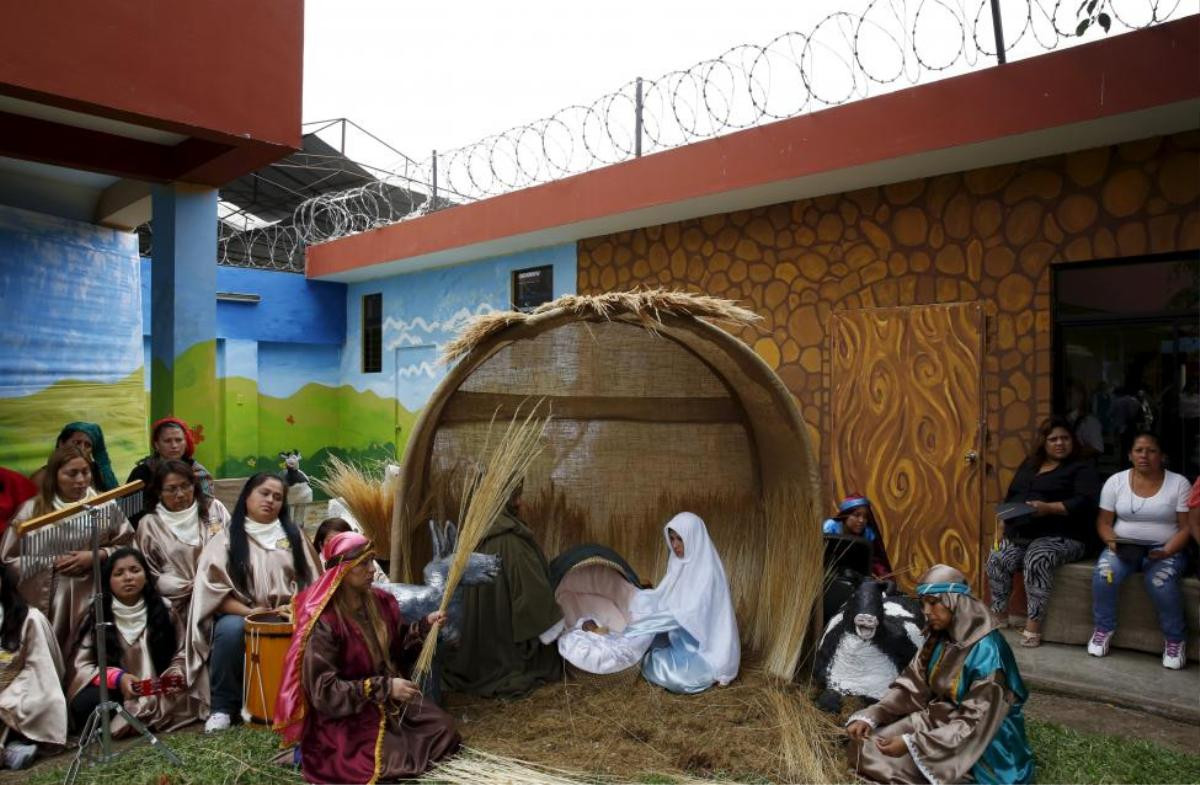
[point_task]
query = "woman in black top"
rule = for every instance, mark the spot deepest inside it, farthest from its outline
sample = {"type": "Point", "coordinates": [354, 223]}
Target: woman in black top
{"type": "Point", "coordinates": [1062, 488]}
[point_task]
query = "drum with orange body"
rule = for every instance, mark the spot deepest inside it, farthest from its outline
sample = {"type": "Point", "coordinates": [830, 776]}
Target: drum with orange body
{"type": "Point", "coordinates": [267, 637]}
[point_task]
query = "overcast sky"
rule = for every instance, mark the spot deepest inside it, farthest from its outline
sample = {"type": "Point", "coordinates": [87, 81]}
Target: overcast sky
{"type": "Point", "coordinates": [440, 75]}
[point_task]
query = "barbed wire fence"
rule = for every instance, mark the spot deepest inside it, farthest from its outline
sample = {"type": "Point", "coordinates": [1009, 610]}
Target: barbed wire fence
{"type": "Point", "coordinates": [844, 57]}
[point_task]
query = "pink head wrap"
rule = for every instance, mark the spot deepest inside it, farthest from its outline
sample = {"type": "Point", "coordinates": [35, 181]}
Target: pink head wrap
{"type": "Point", "coordinates": [341, 553]}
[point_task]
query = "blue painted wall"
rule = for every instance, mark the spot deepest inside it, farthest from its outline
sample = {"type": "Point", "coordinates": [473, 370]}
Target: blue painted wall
{"type": "Point", "coordinates": [424, 310]}
{"type": "Point", "coordinates": [70, 348]}
{"type": "Point", "coordinates": [292, 310]}
{"type": "Point", "coordinates": [283, 368]}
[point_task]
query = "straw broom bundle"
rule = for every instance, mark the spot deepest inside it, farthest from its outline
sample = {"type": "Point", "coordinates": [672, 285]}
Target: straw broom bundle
{"type": "Point", "coordinates": [484, 496]}
{"type": "Point", "coordinates": [370, 499]}
{"type": "Point", "coordinates": [472, 766]}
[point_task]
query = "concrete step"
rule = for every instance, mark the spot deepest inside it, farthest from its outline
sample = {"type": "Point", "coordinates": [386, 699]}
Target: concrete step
{"type": "Point", "coordinates": [1133, 679]}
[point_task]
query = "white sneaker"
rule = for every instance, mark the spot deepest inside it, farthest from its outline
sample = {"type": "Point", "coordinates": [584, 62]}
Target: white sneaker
{"type": "Point", "coordinates": [1098, 645]}
{"type": "Point", "coordinates": [1174, 656]}
{"type": "Point", "coordinates": [217, 721]}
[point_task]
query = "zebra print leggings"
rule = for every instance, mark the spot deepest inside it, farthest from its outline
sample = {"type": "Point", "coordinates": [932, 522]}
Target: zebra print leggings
{"type": "Point", "coordinates": [1037, 560]}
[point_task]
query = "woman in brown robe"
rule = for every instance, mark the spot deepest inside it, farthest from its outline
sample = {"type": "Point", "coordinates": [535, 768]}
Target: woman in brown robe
{"type": "Point", "coordinates": [143, 648]}
{"type": "Point", "coordinates": [62, 593]}
{"type": "Point", "coordinates": [173, 534]}
{"type": "Point", "coordinates": [344, 696]}
{"type": "Point", "coordinates": [33, 710]}
{"type": "Point", "coordinates": [955, 713]}
{"type": "Point", "coordinates": [257, 565]}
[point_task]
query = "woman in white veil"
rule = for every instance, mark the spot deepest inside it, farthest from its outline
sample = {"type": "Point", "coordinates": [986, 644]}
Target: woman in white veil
{"type": "Point", "coordinates": [690, 613]}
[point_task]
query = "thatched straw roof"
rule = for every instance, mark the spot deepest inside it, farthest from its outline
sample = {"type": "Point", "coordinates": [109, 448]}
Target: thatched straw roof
{"type": "Point", "coordinates": [648, 307]}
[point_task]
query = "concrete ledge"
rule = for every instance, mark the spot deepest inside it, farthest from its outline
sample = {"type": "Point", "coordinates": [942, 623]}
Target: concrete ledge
{"type": "Point", "coordinates": [1123, 678]}
{"type": "Point", "coordinates": [1069, 613]}
{"type": "Point", "coordinates": [228, 490]}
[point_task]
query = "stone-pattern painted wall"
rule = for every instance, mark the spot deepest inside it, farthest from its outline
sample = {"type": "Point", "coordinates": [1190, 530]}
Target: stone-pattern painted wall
{"type": "Point", "coordinates": [988, 235]}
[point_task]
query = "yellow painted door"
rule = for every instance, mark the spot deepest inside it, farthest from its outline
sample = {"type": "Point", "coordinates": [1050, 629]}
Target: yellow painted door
{"type": "Point", "coordinates": [907, 429]}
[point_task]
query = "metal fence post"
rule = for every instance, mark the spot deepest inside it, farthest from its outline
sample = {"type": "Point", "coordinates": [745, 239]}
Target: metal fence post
{"type": "Point", "coordinates": [637, 121]}
{"type": "Point", "coordinates": [998, 29]}
{"type": "Point", "coordinates": [433, 203]}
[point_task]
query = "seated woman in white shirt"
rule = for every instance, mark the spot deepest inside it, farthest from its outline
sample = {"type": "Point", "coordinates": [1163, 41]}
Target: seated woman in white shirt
{"type": "Point", "coordinates": [1143, 523]}
{"type": "Point", "coordinates": [691, 614]}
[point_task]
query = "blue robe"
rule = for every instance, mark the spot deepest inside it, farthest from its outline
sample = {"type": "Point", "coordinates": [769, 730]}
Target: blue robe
{"type": "Point", "coordinates": [1008, 757]}
{"type": "Point", "coordinates": [673, 661]}
{"type": "Point", "coordinates": [960, 713]}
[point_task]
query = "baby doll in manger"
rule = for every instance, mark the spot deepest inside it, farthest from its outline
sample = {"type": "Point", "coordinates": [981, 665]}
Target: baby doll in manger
{"type": "Point", "coordinates": [683, 631]}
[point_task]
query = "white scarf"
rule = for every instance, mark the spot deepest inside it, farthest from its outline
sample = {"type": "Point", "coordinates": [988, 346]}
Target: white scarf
{"type": "Point", "coordinates": [185, 524]}
{"type": "Point", "coordinates": [59, 504]}
{"type": "Point", "coordinates": [695, 592]}
{"type": "Point", "coordinates": [130, 619]}
{"type": "Point", "coordinates": [266, 535]}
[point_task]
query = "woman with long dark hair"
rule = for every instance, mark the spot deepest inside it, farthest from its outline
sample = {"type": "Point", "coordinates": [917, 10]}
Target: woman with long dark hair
{"type": "Point", "coordinates": [172, 535]}
{"type": "Point", "coordinates": [345, 696]}
{"type": "Point", "coordinates": [143, 646]}
{"type": "Point", "coordinates": [257, 565]}
{"type": "Point", "coordinates": [32, 706]}
{"type": "Point", "coordinates": [1061, 487]}
{"type": "Point", "coordinates": [62, 592]}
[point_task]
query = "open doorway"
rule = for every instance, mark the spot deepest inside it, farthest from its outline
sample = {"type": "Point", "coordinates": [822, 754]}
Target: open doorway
{"type": "Point", "coordinates": [1128, 356]}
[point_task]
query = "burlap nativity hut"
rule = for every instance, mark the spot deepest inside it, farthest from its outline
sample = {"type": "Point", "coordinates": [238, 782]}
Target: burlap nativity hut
{"type": "Point", "coordinates": [656, 410]}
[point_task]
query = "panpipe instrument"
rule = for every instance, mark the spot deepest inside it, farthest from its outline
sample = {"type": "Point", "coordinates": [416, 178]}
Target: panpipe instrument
{"type": "Point", "coordinates": [48, 537]}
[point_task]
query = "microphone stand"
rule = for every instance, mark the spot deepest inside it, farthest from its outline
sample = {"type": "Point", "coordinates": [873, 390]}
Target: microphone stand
{"type": "Point", "coordinates": [97, 731]}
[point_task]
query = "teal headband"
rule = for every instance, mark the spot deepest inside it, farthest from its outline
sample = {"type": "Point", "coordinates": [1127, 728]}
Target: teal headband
{"type": "Point", "coordinates": [942, 588]}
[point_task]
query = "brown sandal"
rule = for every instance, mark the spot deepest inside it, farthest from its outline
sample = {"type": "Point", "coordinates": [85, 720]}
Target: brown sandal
{"type": "Point", "coordinates": [1031, 640]}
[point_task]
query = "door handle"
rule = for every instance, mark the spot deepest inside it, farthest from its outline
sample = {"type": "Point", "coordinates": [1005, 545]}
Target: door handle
{"type": "Point", "coordinates": [971, 456]}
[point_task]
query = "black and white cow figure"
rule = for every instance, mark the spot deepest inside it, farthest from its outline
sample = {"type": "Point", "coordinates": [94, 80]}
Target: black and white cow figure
{"type": "Point", "coordinates": [867, 644]}
{"type": "Point", "coordinates": [298, 489]}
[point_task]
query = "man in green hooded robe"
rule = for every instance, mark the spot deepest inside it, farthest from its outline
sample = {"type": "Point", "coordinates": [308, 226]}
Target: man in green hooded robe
{"type": "Point", "coordinates": [501, 653]}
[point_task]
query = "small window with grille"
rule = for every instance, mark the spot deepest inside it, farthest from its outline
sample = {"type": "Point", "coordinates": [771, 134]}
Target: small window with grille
{"type": "Point", "coordinates": [372, 333]}
{"type": "Point", "coordinates": [532, 286]}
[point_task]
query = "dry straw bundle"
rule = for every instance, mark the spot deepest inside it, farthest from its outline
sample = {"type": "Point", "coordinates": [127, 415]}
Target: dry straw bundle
{"type": "Point", "coordinates": [484, 496]}
{"type": "Point", "coordinates": [648, 307]}
{"type": "Point", "coordinates": [369, 496]}
{"type": "Point", "coordinates": [472, 766]}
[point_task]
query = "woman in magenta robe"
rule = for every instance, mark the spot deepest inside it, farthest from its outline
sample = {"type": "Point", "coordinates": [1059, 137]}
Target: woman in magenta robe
{"type": "Point", "coordinates": [344, 697]}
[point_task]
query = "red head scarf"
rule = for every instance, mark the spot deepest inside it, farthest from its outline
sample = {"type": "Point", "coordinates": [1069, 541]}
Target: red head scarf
{"type": "Point", "coordinates": [188, 438]}
{"type": "Point", "coordinates": [341, 553]}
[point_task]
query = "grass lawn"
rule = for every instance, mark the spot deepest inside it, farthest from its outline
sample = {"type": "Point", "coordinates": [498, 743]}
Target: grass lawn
{"type": "Point", "coordinates": [242, 755]}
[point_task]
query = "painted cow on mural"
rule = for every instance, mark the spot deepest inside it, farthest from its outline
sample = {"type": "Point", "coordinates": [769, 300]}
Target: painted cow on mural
{"type": "Point", "coordinates": [298, 489]}
{"type": "Point", "coordinates": [867, 644]}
